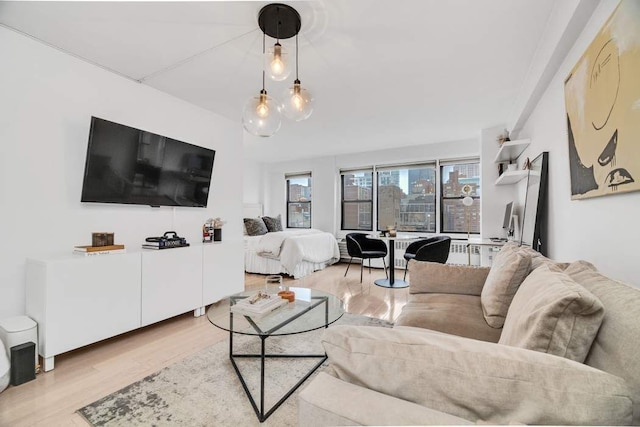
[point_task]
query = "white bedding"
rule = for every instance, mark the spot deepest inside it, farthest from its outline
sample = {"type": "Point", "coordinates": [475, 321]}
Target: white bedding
{"type": "Point", "coordinates": [293, 252]}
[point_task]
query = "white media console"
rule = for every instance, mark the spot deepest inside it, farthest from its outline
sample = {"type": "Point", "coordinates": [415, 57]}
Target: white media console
{"type": "Point", "coordinates": [79, 300]}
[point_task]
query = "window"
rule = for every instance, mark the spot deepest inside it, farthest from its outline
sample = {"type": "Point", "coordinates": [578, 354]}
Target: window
{"type": "Point", "coordinates": [299, 200]}
{"type": "Point", "coordinates": [357, 200]}
{"type": "Point", "coordinates": [407, 198]}
{"type": "Point", "coordinates": [456, 217]}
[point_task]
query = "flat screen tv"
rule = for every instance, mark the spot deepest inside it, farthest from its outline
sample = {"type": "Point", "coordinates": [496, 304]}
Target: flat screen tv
{"type": "Point", "coordinates": [133, 166]}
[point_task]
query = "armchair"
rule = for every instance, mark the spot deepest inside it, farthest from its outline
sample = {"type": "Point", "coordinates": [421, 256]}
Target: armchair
{"type": "Point", "coordinates": [434, 249]}
{"type": "Point", "coordinates": [360, 246]}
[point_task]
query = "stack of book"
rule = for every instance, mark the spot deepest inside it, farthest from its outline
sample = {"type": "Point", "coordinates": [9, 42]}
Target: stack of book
{"type": "Point", "coordinates": [99, 250]}
{"type": "Point", "coordinates": [258, 307]}
{"type": "Point", "coordinates": [163, 245]}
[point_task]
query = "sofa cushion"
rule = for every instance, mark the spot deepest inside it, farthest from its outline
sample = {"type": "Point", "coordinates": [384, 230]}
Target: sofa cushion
{"type": "Point", "coordinates": [328, 401]}
{"type": "Point", "coordinates": [551, 313]}
{"type": "Point", "coordinates": [616, 348]}
{"type": "Point", "coordinates": [508, 270]}
{"type": "Point", "coordinates": [450, 313]}
{"type": "Point", "coordinates": [476, 380]}
{"type": "Point", "coordinates": [446, 278]}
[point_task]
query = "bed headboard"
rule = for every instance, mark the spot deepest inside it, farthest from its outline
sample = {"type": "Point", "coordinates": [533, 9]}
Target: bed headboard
{"type": "Point", "coordinates": [251, 210]}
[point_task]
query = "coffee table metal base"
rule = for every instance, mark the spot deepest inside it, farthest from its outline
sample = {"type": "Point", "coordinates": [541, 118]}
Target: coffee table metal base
{"type": "Point", "coordinates": [261, 413]}
{"type": "Point", "coordinates": [397, 284]}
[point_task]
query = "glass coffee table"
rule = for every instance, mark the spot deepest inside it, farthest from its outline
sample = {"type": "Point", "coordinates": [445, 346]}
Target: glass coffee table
{"type": "Point", "coordinates": [311, 310]}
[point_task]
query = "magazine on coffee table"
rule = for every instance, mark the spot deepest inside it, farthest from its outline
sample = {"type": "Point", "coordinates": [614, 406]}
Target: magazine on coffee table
{"type": "Point", "coordinates": [258, 305]}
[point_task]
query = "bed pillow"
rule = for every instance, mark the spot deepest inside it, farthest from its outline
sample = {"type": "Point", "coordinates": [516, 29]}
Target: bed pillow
{"type": "Point", "coordinates": [273, 223]}
{"type": "Point", "coordinates": [553, 314]}
{"type": "Point", "coordinates": [255, 226]}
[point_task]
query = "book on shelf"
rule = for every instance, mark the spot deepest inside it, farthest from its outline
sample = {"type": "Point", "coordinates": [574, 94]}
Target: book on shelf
{"type": "Point", "coordinates": [92, 253]}
{"type": "Point", "coordinates": [90, 248]}
{"type": "Point", "coordinates": [152, 245]}
{"type": "Point", "coordinates": [260, 308]}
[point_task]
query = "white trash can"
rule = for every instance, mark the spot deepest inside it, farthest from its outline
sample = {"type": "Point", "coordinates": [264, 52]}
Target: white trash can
{"type": "Point", "coordinates": [5, 371]}
{"type": "Point", "coordinates": [19, 330]}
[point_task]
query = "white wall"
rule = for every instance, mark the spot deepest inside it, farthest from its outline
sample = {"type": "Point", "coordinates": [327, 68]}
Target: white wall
{"type": "Point", "coordinates": [46, 102]}
{"type": "Point", "coordinates": [253, 175]}
{"type": "Point", "coordinates": [326, 187]}
{"type": "Point", "coordinates": [604, 230]}
{"type": "Point", "coordinates": [494, 197]}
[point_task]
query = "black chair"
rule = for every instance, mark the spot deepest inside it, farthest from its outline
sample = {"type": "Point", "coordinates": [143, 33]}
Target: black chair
{"type": "Point", "coordinates": [434, 249]}
{"type": "Point", "coordinates": [360, 246]}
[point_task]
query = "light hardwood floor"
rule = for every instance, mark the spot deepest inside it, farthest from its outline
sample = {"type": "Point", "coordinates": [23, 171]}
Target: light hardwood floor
{"type": "Point", "coordinates": [90, 373]}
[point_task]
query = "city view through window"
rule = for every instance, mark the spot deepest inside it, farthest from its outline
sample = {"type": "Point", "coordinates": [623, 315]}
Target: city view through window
{"type": "Point", "coordinates": [406, 199]}
{"type": "Point", "coordinates": [299, 202]}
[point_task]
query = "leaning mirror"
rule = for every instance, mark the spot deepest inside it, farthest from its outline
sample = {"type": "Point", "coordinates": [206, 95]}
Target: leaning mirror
{"type": "Point", "coordinates": [534, 223]}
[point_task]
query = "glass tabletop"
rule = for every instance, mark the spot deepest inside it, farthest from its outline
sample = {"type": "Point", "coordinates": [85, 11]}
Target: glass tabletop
{"type": "Point", "coordinates": [311, 309]}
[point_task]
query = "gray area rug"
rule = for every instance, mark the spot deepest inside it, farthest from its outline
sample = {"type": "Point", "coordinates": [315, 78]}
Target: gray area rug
{"type": "Point", "coordinates": [204, 390]}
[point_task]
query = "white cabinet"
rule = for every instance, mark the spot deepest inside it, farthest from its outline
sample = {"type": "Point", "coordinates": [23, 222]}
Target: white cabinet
{"type": "Point", "coordinates": [171, 282]}
{"type": "Point", "coordinates": [223, 273]}
{"type": "Point", "coordinates": [80, 300]}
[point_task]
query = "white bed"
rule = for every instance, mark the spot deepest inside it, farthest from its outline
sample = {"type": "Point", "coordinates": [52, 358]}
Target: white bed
{"type": "Point", "coordinates": [293, 252]}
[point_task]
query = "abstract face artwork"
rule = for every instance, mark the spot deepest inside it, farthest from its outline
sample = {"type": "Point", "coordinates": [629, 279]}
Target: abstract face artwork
{"type": "Point", "coordinates": [602, 99]}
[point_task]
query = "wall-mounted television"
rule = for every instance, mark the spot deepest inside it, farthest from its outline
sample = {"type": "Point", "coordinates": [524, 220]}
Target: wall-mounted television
{"type": "Point", "coordinates": [132, 166]}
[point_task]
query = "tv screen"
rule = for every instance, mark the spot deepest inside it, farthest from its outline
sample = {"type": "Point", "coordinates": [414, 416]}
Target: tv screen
{"type": "Point", "coordinates": [132, 166]}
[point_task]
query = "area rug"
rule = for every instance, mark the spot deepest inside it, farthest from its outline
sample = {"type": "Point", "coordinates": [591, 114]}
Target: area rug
{"type": "Point", "coordinates": [203, 389]}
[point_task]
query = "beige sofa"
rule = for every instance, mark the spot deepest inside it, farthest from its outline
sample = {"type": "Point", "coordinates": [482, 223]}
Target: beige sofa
{"type": "Point", "coordinates": [529, 341]}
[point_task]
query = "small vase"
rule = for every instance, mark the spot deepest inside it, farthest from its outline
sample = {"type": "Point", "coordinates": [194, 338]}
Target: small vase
{"type": "Point", "coordinates": [217, 234]}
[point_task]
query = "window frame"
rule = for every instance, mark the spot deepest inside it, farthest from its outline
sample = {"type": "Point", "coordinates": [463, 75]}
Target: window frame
{"type": "Point", "coordinates": [407, 166]}
{"type": "Point", "coordinates": [358, 202]}
{"type": "Point", "coordinates": [439, 197]}
{"type": "Point", "coordinates": [288, 178]}
{"type": "Point", "coordinates": [442, 198]}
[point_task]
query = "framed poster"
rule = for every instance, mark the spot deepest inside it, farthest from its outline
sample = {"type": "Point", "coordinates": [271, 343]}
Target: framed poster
{"type": "Point", "coordinates": [602, 99]}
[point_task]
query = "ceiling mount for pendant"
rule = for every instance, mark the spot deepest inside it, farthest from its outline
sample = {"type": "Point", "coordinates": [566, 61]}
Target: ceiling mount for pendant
{"type": "Point", "coordinates": [279, 21]}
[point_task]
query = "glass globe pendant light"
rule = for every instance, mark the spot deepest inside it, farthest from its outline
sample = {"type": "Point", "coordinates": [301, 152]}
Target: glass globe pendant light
{"type": "Point", "coordinates": [297, 102]}
{"type": "Point", "coordinates": [276, 64]}
{"type": "Point", "coordinates": [261, 115]}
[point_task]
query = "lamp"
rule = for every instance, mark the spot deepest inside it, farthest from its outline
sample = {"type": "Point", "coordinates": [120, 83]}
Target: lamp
{"type": "Point", "coordinates": [467, 201]}
{"type": "Point", "coordinates": [261, 114]}
{"type": "Point", "coordinates": [297, 101]}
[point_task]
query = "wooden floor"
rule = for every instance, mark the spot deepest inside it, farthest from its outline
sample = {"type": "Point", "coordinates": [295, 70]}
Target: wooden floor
{"type": "Point", "coordinates": [85, 375]}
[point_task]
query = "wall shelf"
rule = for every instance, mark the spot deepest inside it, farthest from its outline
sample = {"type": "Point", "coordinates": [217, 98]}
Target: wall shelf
{"type": "Point", "coordinates": [511, 177]}
{"type": "Point", "coordinates": [511, 150]}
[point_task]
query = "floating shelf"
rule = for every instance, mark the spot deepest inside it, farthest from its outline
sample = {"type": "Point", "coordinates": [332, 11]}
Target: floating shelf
{"type": "Point", "coordinates": [511, 177]}
{"type": "Point", "coordinates": [511, 150]}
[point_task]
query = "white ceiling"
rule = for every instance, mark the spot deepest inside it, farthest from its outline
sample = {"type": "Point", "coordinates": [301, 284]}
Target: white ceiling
{"type": "Point", "coordinates": [384, 73]}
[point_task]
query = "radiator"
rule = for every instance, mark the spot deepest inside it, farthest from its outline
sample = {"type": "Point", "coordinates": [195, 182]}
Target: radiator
{"type": "Point", "coordinates": [457, 255]}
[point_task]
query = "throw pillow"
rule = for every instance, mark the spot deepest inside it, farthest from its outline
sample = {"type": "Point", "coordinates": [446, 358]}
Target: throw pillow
{"type": "Point", "coordinates": [551, 313]}
{"type": "Point", "coordinates": [476, 380]}
{"type": "Point", "coordinates": [273, 223]}
{"type": "Point", "coordinates": [508, 270]}
{"type": "Point", "coordinates": [255, 226]}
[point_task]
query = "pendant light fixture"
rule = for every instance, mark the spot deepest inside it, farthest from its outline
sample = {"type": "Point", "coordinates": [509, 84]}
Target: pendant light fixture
{"type": "Point", "coordinates": [261, 114]}
{"type": "Point", "coordinates": [297, 102]}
